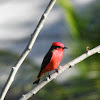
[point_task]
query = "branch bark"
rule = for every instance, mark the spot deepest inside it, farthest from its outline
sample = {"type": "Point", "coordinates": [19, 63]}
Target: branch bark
{"type": "Point", "coordinates": [55, 74]}
{"type": "Point", "coordinates": [26, 51]}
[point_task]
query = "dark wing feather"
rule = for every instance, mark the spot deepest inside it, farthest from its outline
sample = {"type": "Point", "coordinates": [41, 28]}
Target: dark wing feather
{"type": "Point", "coordinates": [46, 60]}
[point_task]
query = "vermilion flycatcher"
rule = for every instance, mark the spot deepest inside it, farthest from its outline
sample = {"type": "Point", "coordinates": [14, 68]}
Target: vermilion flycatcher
{"type": "Point", "coordinates": [51, 60]}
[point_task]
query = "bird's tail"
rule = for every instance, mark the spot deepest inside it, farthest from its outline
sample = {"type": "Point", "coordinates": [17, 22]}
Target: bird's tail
{"type": "Point", "coordinates": [38, 77]}
{"type": "Point", "coordinates": [36, 81]}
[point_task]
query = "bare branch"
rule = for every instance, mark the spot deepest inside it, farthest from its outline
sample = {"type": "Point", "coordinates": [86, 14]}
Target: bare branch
{"type": "Point", "coordinates": [26, 51]}
{"type": "Point", "coordinates": [55, 74]}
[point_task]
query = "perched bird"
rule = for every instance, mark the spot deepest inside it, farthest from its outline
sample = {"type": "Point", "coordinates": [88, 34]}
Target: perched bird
{"type": "Point", "coordinates": [51, 60]}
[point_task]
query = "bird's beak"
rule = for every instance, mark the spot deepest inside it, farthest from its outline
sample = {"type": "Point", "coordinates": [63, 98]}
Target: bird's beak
{"type": "Point", "coordinates": [65, 48]}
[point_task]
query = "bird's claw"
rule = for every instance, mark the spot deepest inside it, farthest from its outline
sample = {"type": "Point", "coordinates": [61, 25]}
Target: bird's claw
{"type": "Point", "coordinates": [56, 70]}
{"type": "Point", "coordinates": [49, 76]}
{"type": "Point", "coordinates": [70, 66]}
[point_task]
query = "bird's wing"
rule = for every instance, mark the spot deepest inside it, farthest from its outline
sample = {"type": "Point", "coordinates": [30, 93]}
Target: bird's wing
{"type": "Point", "coordinates": [46, 60]}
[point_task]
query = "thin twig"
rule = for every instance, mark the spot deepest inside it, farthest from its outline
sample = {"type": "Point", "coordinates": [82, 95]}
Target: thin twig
{"type": "Point", "coordinates": [55, 74]}
{"type": "Point", "coordinates": [26, 51]}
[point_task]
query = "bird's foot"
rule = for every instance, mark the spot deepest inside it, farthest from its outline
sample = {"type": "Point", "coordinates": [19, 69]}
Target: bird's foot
{"type": "Point", "coordinates": [56, 70]}
{"type": "Point", "coordinates": [49, 76]}
{"type": "Point", "coordinates": [70, 66]}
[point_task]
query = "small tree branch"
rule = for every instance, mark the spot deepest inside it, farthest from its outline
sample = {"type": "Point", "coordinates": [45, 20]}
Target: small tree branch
{"type": "Point", "coordinates": [26, 51]}
{"type": "Point", "coordinates": [55, 74]}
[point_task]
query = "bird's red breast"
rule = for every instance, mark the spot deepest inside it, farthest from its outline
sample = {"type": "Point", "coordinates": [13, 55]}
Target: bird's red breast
{"type": "Point", "coordinates": [55, 60]}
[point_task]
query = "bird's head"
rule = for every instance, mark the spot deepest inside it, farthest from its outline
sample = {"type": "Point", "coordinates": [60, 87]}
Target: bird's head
{"type": "Point", "coordinates": [58, 45]}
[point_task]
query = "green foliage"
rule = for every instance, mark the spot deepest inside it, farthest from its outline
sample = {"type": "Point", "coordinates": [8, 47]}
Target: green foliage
{"type": "Point", "coordinates": [72, 18]}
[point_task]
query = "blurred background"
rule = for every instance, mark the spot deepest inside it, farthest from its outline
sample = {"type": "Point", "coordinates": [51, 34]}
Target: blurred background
{"type": "Point", "coordinates": [76, 23]}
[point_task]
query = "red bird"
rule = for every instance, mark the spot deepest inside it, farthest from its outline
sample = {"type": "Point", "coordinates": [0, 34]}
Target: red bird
{"type": "Point", "coordinates": [51, 60]}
